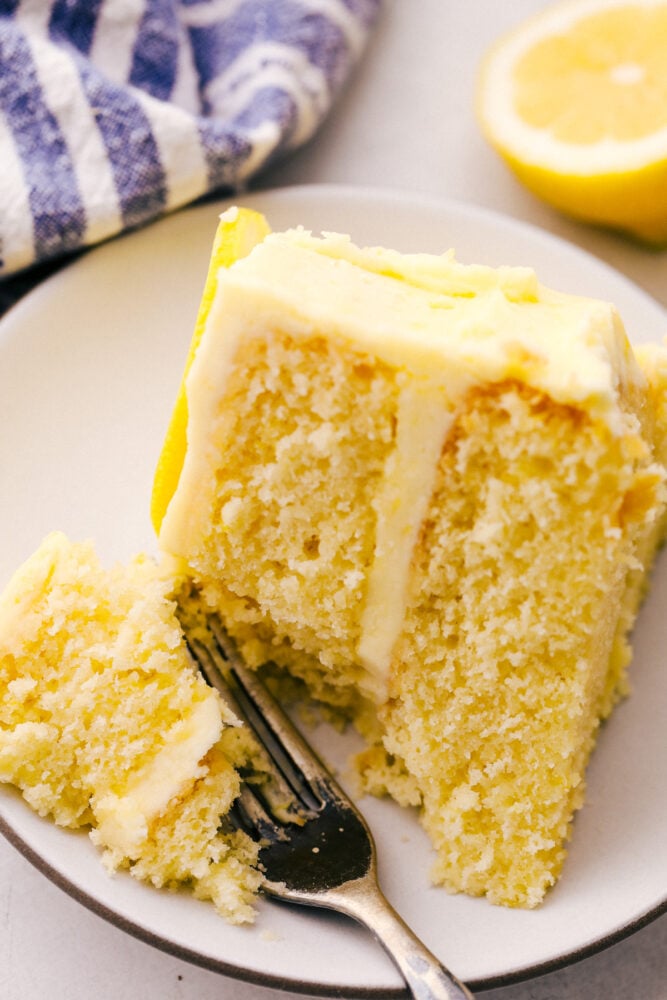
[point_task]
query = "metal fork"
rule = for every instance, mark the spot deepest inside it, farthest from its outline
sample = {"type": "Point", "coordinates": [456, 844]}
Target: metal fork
{"type": "Point", "coordinates": [316, 847]}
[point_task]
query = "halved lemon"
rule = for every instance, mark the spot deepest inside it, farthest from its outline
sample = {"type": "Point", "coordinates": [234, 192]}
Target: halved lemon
{"type": "Point", "coordinates": [239, 230]}
{"type": "Point", "coordinates": [575, 100]}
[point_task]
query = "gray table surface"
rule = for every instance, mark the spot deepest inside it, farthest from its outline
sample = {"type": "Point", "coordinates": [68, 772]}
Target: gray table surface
{"type": "Point", "coordinates": [405, 121]}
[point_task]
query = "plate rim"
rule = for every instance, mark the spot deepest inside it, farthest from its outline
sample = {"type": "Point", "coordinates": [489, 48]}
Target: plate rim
{"type": "Point", "coordinates": [347, 193]}
{"type": "Point", "coordinates": [303, 986]}
{"type": "Point", "coordinates": [361, 192]}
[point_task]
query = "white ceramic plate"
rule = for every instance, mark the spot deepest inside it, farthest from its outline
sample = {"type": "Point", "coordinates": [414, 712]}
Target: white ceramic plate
{"type": "Point", "coordinates": [89, 366]}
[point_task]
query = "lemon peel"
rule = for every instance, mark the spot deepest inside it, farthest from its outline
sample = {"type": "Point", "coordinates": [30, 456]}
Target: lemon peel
{"type": "Point", "coordinates": [239, 230]}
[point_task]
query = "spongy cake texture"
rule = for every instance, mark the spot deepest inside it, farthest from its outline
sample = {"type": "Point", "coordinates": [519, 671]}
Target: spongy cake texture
{"type": "Point", "coordinates": [105, 725]}
{"type": "Point", "coordinates": [433, 493]}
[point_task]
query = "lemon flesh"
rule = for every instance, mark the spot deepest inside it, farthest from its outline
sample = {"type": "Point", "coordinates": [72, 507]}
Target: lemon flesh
{"type": "Point", "coordinates": [575, 100]}
{"type": "Point", "coordinates": [239, 230]}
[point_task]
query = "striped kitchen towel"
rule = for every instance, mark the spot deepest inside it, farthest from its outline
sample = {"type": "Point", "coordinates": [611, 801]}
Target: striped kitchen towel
{"type": "Point", "coordinates": [113, 112]}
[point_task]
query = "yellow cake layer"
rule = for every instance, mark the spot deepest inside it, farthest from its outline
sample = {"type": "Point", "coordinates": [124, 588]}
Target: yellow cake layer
{"type": "Point", "coordinates": [104, 724]}
{"type": "Point", "coordinates": [432, 491]}
{"type": "Point", "coordinates": [438, 328]}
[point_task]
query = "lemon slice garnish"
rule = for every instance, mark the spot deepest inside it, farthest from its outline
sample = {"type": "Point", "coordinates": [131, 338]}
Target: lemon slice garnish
{"type": "Point", "coordinates": [239, 230]}
{"type": "Point", "coordinates": [575, 100]}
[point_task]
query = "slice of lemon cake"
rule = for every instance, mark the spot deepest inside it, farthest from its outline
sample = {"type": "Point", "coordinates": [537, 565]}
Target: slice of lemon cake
{"type": "Point", "coordinates": [432, 492]}
{"type": "Point", "coordinates": [104, 723]}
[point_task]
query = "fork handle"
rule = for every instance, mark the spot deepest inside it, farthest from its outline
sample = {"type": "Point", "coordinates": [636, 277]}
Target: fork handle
{"type": "Point", "coordinates": [426, 977]}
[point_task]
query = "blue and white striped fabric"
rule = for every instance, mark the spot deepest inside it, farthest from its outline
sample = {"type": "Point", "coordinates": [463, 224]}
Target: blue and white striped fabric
{"type": "Point", "coordinates": [113, 112]}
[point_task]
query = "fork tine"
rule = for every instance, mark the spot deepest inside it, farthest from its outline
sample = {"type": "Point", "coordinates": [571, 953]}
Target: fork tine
{"type": "Point", "coordinates": [271, 796]}
{"type": "Point", "coordinates": [213, 665]}
{"type": "Point", "coordinates": [248, 813]}
{"type": "Point", "coordinates": [300, 766]}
